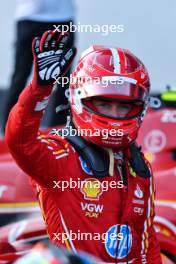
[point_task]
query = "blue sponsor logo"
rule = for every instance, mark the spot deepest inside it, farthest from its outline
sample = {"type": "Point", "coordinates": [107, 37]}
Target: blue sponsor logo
{"type": "Point", "coordinates": [85, 167]}
{"type": "Point", "coordinates": [115, 247]}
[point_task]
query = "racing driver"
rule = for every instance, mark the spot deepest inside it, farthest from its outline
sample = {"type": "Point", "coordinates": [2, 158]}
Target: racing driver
{"type": "Point", "coordinates": [109, 92]}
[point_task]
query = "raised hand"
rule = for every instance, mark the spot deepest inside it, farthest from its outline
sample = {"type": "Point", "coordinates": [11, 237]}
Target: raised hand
{"type": "Point", "coordinates": [52, 58]}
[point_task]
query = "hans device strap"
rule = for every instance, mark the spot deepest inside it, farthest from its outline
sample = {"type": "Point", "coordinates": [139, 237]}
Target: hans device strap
{"type": "Point", "coordinates": [99, 162]}
{"type": "Point", "coordinates": [137, 161]}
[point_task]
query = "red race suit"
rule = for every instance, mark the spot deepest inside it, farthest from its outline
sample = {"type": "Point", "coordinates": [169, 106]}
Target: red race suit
{"type": "Point", "coordinates": [114, 224]}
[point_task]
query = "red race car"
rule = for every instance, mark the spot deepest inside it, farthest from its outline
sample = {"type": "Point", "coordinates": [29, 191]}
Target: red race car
{"type": "Point", "coordinates": [16, 194]}
{"type": "Point", "coordinates": [157, 137]}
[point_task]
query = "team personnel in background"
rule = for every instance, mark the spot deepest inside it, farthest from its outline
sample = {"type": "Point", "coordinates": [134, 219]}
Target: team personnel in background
{"type": "Point", "coordinates": [33, 17]}
{"type": "Point", "coordinates": [110, 93]}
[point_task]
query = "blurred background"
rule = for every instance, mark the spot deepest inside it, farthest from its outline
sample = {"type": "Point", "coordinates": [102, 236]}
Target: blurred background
{"type": "Point", "coordinates": [149, 32]}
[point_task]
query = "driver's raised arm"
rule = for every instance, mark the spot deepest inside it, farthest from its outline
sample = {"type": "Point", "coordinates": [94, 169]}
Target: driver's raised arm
{"type": "Point", "coordinates": [51, 60]}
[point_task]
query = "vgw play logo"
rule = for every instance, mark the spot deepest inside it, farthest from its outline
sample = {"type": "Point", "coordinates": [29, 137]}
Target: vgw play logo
{"type": "Point", "coordinates": [118, 248]}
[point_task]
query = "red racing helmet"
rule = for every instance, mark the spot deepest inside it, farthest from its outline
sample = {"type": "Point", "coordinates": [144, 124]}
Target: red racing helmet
{"type": "Point", "coordinates": [110, 74]}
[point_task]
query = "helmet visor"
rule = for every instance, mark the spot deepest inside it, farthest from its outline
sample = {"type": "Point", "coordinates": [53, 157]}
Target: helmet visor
{"type": "Point", "coordinates": [112, 108]}
{"type": "Point", "coordinates": [120, 88]}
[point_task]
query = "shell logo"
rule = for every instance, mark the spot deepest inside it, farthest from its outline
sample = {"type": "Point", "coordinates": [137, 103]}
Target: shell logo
{"type": "Point", "coordinates": [92, 189]}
